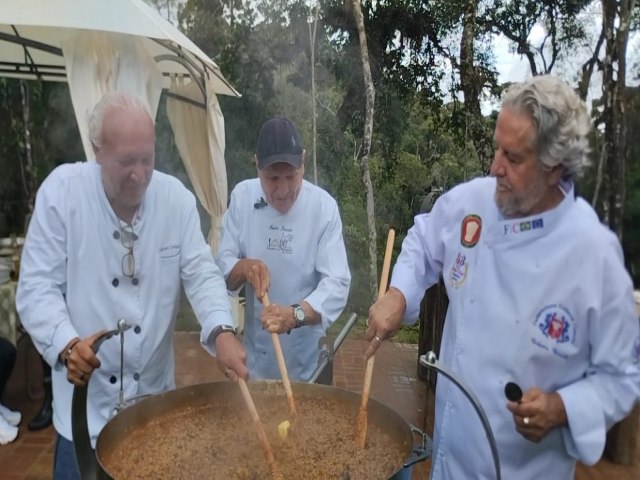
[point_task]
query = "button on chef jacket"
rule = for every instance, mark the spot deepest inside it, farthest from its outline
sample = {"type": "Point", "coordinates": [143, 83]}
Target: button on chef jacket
{"type": "Point", "coordinates": [72, 284]}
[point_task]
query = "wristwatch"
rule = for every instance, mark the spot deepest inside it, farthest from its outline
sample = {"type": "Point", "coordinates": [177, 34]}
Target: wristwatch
{"type": "Point", "coordinates": [219, 329]}
{"type": "Point", "coordinates": [298, 315]}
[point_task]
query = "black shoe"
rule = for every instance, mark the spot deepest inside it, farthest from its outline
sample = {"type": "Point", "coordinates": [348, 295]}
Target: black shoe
{"type": "Point", "coordinates": [44, 418]}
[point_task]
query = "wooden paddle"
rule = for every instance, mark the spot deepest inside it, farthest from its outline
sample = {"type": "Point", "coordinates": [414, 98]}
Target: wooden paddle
{"type": "Point", "coordinates": [361, 431]}
{"type": "Point", "coordinates": [275, 473]}
{"type": "Point", "coordinates": [281, 365]}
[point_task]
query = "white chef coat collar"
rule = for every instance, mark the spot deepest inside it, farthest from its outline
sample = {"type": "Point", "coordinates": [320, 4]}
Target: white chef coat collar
{"type": "Point", "coordinates": [297, 203]}
{"type": "Point", "coordinates": [533, 226]}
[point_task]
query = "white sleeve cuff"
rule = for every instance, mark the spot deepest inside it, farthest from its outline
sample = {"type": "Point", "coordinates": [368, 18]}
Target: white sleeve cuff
{"type": "Point", "coordinates": [63, 334]}
{"type": "Point", "coordinates": [585, 436]}
{"type": "Point", "coordinates": [207, 330]}
{"type": "Point", "coordinates": [412, 297]}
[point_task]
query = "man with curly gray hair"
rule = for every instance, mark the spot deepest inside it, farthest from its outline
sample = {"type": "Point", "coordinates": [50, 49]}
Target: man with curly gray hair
{"type": "Point", "coordinates": [538, 296]}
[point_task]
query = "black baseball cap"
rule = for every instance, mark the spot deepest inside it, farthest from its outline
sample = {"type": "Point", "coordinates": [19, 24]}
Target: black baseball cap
{"type": "Point", "coordinates": [279, 141]}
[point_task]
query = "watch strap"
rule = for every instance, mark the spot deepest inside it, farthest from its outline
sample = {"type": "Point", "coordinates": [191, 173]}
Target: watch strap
{"type": "Point", "coordinates": [220, 329]}
{"type": "Point", "coordinates": [299, 319]}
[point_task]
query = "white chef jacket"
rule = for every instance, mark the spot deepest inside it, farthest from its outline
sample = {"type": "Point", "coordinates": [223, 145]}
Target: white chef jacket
{"type": "Point", "coordinates": [71, 284]}
{"type": "Point", "coordinates": [304, 251]}
{"type": "Point", "coordinates": [544, 301]}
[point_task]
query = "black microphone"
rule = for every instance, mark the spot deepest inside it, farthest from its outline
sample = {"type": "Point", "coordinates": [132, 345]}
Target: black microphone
{"type": "Point", "coordinates": [260, 204]}
{"type": "Point", "coordinates": [513, 392]}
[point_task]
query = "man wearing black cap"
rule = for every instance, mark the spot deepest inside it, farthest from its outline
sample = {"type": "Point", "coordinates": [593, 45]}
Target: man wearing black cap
{"type": "Point", "coordinates": [283, 235]}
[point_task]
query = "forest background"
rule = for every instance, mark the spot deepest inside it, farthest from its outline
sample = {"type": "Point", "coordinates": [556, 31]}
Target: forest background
{"type": "Point", "coordinates": [433, 68]}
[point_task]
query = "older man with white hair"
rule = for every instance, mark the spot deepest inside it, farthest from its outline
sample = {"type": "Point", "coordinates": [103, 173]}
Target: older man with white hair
{"type": "Point", "coordinates": [116, 240]}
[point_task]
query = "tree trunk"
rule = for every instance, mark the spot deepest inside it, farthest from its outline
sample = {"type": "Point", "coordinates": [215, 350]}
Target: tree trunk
{"type": "Point", "coordinates": [471, 84]}
{"type": "Point", "coordinates": [312, 43]}
{"type": "Point", "coordinates": [587, 68]}
{"type": "Point", "coordinates": [366, 149]}
{"type": "Point", "coordinates": [27, 165]}
{"type": "Point", "coordinates": [610, 188]}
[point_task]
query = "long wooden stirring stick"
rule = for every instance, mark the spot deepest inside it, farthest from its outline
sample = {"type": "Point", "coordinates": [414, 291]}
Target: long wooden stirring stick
{"type": "Point", "coordinates": [275, 473]}
{"type": "Point", "coordinates": [281, 365]}
{"type": "Point", "coordinates": [361, 431]}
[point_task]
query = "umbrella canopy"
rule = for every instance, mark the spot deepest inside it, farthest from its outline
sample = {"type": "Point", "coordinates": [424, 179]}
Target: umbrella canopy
{"type": "Point", "coordinates": [98, 46]}
{"type": "Point", "coordinates": [32, 33]}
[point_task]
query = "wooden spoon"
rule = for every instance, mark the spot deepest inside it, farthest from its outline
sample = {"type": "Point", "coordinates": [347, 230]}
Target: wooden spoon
{"type": "Point", "coordinates": [275, 473]}
{"type": "Point", "coordinates": [361, 428]}
{"type": "Point", "coordinates": [281, 365]}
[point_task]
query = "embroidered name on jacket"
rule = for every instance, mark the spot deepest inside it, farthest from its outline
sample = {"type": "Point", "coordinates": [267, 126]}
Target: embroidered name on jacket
{"type": "Point", "coordinates": [169, 251]}
{"type": "Point", "coordinates": [557, 327]}
{"type": "Point", "coordinates": [280, 239]}
{"type": "Point", "coordinates": [519, 227]}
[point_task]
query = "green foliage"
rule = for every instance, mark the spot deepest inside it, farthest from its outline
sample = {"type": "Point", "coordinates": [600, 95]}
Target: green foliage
{"type": "Point", "coordinates": [419, 142]}
{"type": "Point", "coordinates": [167, 156]}
{"type": "Point", "coordinates": [11, 192]}
{"type": "Point", "coordinates": [421, 137]}
{"type": "Point", "coordinates": [516, 20]}
{"type": "Point", "coordinates": [631, 238]}
{"type": "Point", "coordinates": [54, 140]}
{"type": "Point", "coordinates": [408, 334]}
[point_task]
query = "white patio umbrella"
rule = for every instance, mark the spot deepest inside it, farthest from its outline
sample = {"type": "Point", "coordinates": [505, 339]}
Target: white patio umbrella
{"type": "Point", "coordinates": [104, 45]}
{"type": "Point", "coordinates": [200, 137]}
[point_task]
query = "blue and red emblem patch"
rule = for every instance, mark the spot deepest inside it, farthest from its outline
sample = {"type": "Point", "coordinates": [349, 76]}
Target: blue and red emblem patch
{"type": "Point", "coordinates": [557, 326]}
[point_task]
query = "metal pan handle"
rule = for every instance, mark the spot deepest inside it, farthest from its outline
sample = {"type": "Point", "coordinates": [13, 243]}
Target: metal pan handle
{"type": "Point", "coordinates": [430, 360]}
{"type": "Point", "coordinates": [421, 451]}
{"type": "Point", "coordinates": [85, 456]}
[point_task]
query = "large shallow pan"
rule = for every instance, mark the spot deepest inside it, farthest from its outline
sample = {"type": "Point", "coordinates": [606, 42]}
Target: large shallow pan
{"type": "Point", "coordinates": [150, 411]}
{"type": "Point", "coordinates": [136, 418]}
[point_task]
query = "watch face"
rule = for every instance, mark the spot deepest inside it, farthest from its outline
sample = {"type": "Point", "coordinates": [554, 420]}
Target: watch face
{"type": "Point", "coordinates": [299, 313]}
